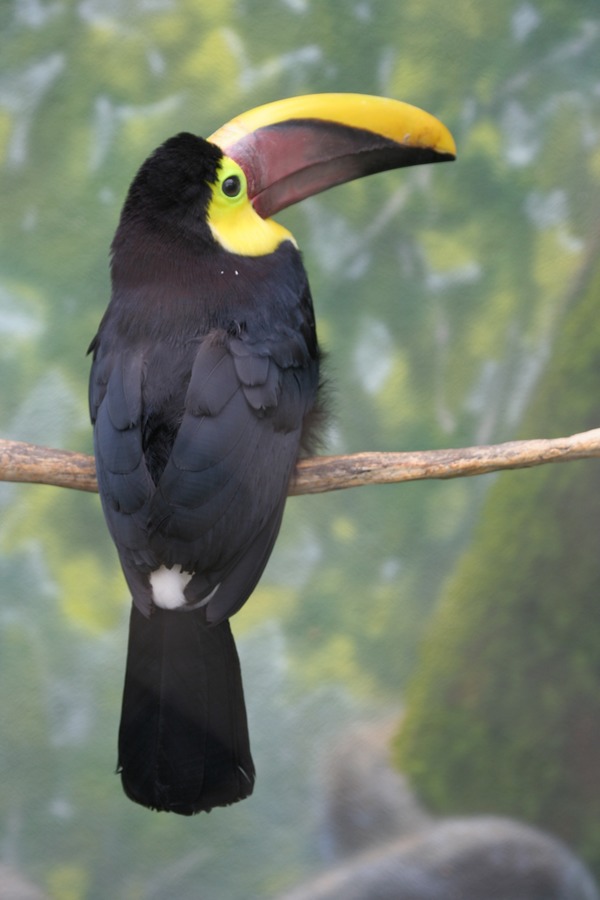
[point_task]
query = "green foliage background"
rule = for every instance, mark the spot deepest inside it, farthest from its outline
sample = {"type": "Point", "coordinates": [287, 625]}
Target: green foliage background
{"type": "Point", "coordinates": [440, 296]}
{"type": "Point", "coordinates": [504, 711]}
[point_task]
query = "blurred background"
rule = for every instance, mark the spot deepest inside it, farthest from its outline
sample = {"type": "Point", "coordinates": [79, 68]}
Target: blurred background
{"type": "Point", "coordinates": [454, 623]}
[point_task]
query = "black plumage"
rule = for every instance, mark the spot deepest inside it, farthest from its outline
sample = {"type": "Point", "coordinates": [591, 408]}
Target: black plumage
{"type": "Point", "coordinates": [203, 393]}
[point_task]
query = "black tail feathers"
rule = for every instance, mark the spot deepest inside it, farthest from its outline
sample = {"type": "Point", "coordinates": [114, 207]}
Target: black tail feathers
{"type": "Point", "coordinates": [183, 739]}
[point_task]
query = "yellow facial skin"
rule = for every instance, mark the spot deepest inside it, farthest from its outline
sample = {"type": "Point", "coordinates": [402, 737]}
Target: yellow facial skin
{"type": "Point", "coordinates": [233, 221]}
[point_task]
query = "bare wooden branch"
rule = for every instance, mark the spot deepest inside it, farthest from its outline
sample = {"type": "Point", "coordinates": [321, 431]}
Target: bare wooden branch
{"type": "Point", "coordinates": [332, 473]}
{"type": "Point", "coordinates": [22, 462]}
{"type": "Point", "coordinates": [42, 465]}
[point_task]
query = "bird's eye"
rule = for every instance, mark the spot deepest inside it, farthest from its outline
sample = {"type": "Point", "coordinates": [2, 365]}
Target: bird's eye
{"type": "Point", "coordinates": [232, 186]}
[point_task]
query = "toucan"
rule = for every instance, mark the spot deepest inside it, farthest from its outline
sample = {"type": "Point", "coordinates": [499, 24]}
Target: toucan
{"type": "Point", "coordinates": [204, 392]}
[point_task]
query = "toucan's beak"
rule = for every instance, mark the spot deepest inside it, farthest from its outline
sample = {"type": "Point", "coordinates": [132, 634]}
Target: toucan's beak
{"type": "Point", "coordinates": [294, 148]}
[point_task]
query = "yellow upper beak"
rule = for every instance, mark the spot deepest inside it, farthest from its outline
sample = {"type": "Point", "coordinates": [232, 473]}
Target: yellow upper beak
{"type": "Point", "coordinates": [297, 147]}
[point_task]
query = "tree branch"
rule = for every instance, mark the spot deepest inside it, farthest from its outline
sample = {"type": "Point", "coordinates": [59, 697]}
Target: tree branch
{"type": "Point", "coordinates": [23, 462]}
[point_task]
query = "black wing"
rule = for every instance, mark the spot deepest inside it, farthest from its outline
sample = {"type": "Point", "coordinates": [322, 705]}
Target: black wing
{"type": "Point", "coordinates": [216, 506]}
{"type": "Point", "coordinates": [125, 484]}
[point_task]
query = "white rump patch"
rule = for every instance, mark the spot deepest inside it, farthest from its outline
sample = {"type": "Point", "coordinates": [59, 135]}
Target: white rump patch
{"type": "Point", "coordinates": [168, 586]}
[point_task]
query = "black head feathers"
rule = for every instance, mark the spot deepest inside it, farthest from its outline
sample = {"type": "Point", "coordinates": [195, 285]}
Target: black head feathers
{"type": "Point", "coordinates": [175, 179]}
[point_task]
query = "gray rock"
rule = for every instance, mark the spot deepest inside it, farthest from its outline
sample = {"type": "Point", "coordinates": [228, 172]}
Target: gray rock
{"type": "Point", "coordinates": [479, 858]}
